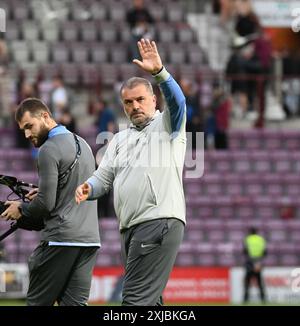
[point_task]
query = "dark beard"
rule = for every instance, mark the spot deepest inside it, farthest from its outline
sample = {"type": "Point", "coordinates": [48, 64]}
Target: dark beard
{"type": "Point", "coordinates": [42, 137]}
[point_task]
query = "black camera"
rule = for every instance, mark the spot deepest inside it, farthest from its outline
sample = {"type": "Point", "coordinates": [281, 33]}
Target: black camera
{"type": "Point", "coordinates": [24, 222]}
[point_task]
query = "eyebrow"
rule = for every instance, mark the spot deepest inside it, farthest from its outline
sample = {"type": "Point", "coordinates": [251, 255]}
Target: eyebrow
{"type": "Point", "coordinates": [136, 98]}
{"type": "Point", "coordinates": [27, 124]}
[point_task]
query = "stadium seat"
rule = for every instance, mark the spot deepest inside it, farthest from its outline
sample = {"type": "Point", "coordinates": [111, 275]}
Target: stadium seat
{"type": "Point", "coordinates": [185, 260]}
{"type": "Point", "coordinates": [50, 70]}
{"type": "Point", "coordinates": [89, 74]}
{"type": "Point", "coordinates": [70, 73]}
{"type": "Point", "coordinates": [98, 11]}
{"type": "Point", "coordinates": [186, 35]}
{"type": "Point", "coordinates": [116, 11]}
{"type": "Point", "coordinates": [80, 11]}
{"type": "Point", "coordinates": [20, 51]}
{"type": "Point", "coordinates": [99, 53]}
{"type": "Point", "coordinates": [108, 74]}
{"type": "Point", "coordinates": [30, 30]}
{"type": "Point", "coordinates": [187, 71]}
{"type": "Point", "coordinates": [60, 52]}
{"type": "Point", "coordinates": [80, 52]}
{"type": "Point", "coordinates": [40, 52]}
{"type": "Point", "coordinates": [88, 31]}
{"type": "Point", "coordinates": [289, 260]}
{"type": "Point", "coordinates": [176, 53]}
{"type": "Point", "coordinates": [124, 33]}
{"type": "Point", "coordinates": [49, 31]}
{"type": "Point", "coordinates": [12, 31]}
{"type": "Point", "coordinates": [165, 33]}
{"type": "Point", "coordinates": [20, 10]}
{"type": "Point", "coordinates": [174, 12]}
{"type": "Point", "coordinates": [118, 53]}
{"type": "Point", "coordinates": [69, 31]}
{"type": "Point", "coordinates": [108, 31]}
{"type": "Point", "coordinates": [127, 70]}
{"type": "Point", "coordinates": [195, 55]}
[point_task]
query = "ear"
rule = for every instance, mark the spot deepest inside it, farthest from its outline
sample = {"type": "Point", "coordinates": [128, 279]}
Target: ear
{"type": "Point", "coordinates": [154, 99]}
{"type": "Point", "coordinates": [46, 118]}
{"type": "Point", "coordinates": [45, 115]}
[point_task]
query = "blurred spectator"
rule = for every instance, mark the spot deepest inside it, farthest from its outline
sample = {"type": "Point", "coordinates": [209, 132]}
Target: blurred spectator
{"type": "Point", "coordinates": [105, 117]}
{"type": "Point", "coordinates": [67, 120]}
{"type": "Point", "coordinates": [4, 104]}
{"type": "Point", "coordinates": [141, 25]}
{"type": "Point", "coordinates": [287, 212]}
{"type": "Point", "coordinates": [194, 117]}
{"type": "Point", "coordinates": [225, 8]}
{"type": "Point", "coordinates": [255, 251]}
{"type": "Point", "coordinates": [24, 89]}
{"type": "Point", "coordinates": [291, 84]}
{"type": "Point", "coordinates": [58, 98]}
{"type": "Point", "coordinates": [2, 253]}
{"type": "Point", "coordinates": [248, 69]}
{"type": "Point", "coordinates": [246, 27]}
{"type": "Point", "coordinates": [246, 21]}
{"type": "Point", "coordinates": [221, 107]}
{"type": "Point", "coordinates": [105, 122]}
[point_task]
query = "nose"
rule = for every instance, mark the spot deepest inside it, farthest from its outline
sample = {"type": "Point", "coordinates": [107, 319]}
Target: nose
{"type": "Point", "coordinates": [27, 134]}
{"type": "Point", "coordinates": [135, 105]}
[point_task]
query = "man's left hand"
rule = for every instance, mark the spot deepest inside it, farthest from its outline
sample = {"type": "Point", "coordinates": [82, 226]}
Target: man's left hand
{"type": "Point", "coordinates": [12, 212]}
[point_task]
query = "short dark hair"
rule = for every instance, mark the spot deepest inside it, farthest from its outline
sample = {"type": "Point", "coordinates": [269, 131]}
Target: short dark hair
{"type": "Point", "coordinates": [34, 106]}
{"type": "Point", "coordinates": [135, 81]}
{"type": "Point", "coordinates": [252, 230]}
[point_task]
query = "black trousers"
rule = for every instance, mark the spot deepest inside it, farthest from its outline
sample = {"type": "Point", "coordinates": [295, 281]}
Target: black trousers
{"type": "Point", "coordinates": [253, 275]}
{"type": "Point", "coordinates": [60, 274]}
{"type": "Point", "coordinates": [149, 251]}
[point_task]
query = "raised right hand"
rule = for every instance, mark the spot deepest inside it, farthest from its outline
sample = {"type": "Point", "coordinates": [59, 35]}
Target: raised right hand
{"type": "Point", "coordinates": [151, 61]}
{"type": "Point", "coordinates": [82, 193]}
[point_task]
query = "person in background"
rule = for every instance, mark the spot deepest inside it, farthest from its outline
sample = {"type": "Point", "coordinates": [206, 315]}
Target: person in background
{"type": "Point", "coordinates": [4, 82]}
{"type": "Point", "coordinates": [255, 251]}
{"type": "Point", "coordinates": [59, 97]}
{"type": "Point", "coordinates": [105, 122]}
{"type": "Point", "coordinates": [105, 117]}
{"type": "Point", "coordinates": [141, 24]}
{"type": "Point", "coordinates": [194, 120]}
{"type": "Point", "coordinates": [221, 107]}
{"type": "Point", "coordinates": [68, 120]}
{"type": "Point", "coordinates": [24, 90]}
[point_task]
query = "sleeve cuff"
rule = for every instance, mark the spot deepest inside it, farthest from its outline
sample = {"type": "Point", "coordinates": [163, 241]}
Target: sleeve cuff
{"type": "Point", "coordinates": [162, 76]}
{"type": "Point", "coordinates": [24, 209]}
{"type": "Point", "coordinates": [90, 182]}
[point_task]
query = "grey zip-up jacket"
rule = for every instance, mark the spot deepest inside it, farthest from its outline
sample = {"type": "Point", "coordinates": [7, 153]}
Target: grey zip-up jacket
{"type": "Point", "coordinates": [145, 165]}
{"type": "Point", "coordinates": [66, 223]}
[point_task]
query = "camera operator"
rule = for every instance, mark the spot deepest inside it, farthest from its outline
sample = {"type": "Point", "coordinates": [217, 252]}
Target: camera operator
{"type": "Point", "coordinates": [61, 266]}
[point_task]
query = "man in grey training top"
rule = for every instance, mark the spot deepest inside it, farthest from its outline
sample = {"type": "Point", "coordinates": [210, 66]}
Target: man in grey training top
{"type": "Point", "coordinates": [144, 165]}
{"type": "Point", "coordinates": [61, 266]}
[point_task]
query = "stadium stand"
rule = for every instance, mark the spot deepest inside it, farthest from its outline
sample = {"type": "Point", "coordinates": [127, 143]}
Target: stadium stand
{"type": "Point", "coordinates": [241, 187]}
